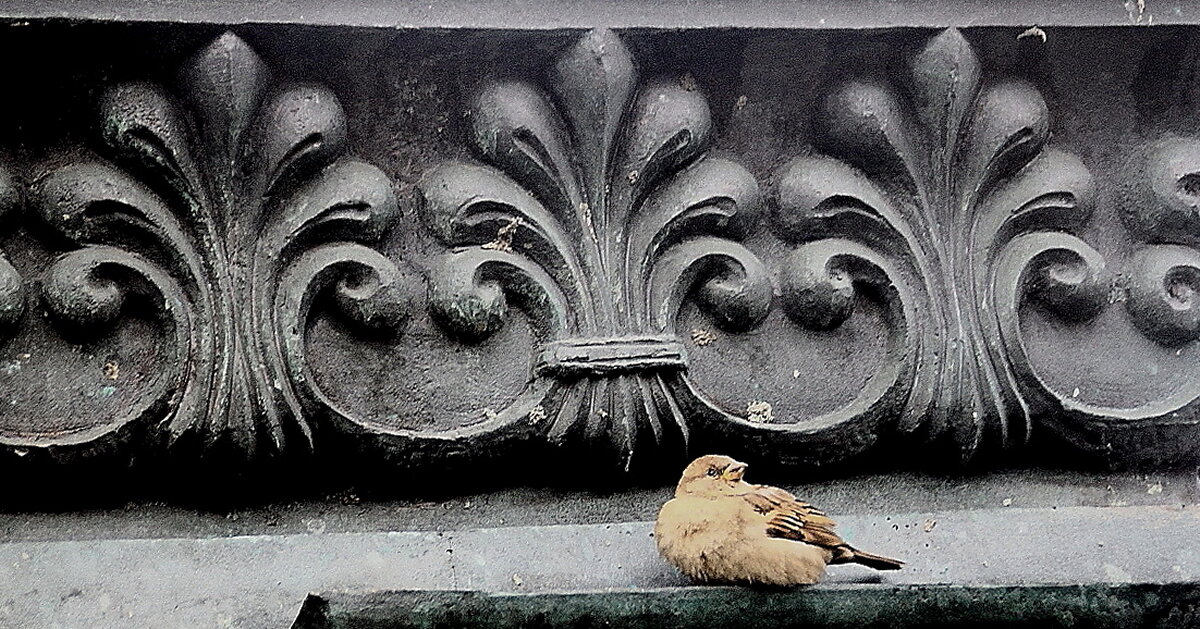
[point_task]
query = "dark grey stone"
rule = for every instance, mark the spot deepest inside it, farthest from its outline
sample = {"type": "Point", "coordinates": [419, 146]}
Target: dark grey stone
{"type": "Point", "coordinates": [270, 259]}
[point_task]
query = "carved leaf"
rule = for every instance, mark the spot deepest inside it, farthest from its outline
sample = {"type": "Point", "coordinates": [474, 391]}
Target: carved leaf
{"type": "Point", "coordinates": [946, 76]}
{"type": "Point", "coordinates": [224, 83]}
{"type": "Point", "coordinates": [300, 131]}
{"type": "Point", "coordinates": [714, 196]}
{"type": "Point", "coordinates": [350, 200]}
{"type": "Point", "coordinates": [1010, 125]}
{"type": "Point", "coordinates": [94, 203]}
{"type": "Point", "coordinates": [862, 122]}
{"type": "Point", "coordinates": [668, 127]}
{"type": "Point", "coordinates": [145, 130]}
{"type": "Point", "coordinates": [516, 128]}
{"type": "Point", "coordinates": [594, 81]}
{"type": "Point", "coordinates": [820, 197]}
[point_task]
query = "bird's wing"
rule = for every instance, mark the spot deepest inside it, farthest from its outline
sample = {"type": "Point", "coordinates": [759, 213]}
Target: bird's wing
{"type": "Point", "coordinates": [789, 518]}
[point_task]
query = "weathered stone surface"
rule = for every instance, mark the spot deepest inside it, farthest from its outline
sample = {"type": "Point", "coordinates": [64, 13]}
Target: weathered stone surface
{"type": "Point", "coordinates": [261, 580]}
{"type": "Point", "coordinates": [610, 255]}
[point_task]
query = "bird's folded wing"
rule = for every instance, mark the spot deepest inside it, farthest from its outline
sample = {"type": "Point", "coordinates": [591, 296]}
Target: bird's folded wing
{"type": "Point", "coordinates": [789, 518]}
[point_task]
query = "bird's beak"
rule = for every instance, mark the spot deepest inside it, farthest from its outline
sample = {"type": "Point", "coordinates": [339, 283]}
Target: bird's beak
{"type": "Point", "coordinates": [734, 472]}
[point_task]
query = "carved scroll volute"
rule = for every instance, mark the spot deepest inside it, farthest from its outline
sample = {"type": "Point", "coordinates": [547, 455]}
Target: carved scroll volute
{"type": "Point", "coordinates": [849, 245]}
{"type": "Point", "coordinates": [12, 287]}
{"type": "Point", "coordinates": [597, 209]}
{"type": "Point", "coordinates": [1159, 285]}
{"type": "Point", "coordinates": [214, 192]}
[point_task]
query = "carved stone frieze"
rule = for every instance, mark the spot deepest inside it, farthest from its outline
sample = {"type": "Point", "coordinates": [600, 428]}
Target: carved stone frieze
{"type": "Point", "coordinates": [599, 208]}
{"type": "Point", "coordinates": [584, 261]}
{"type": "Point", "coordinates": [220, 206]}
{"type": "Point", "coordinates": [940, 193]}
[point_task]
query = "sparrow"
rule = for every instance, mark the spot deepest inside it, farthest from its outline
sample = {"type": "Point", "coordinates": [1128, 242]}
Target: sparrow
{"type": "Point", "coordinates": [720, 529]}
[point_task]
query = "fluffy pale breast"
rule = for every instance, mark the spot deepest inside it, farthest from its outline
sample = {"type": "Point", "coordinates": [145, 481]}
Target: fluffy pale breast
{"type": "Point", "coordinates": [725, 540]}
{"type": "Point", "coordinates": [690, 531]}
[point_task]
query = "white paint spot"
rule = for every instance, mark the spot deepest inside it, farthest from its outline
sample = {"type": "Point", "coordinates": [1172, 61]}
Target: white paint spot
{"type": "Point", "coordinates": [1033, 31]}
{"type": "Point", "coordinates": [1116, 574]}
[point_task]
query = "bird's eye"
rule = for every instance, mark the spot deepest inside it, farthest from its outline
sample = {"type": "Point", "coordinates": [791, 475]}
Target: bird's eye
{"type": "Point", "coordinates": [712, 471]}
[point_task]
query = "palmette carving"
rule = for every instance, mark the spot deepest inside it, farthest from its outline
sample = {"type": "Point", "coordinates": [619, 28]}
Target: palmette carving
{"type": "Point", "coordinates": [217, 201]}
{"type": "Point", "coordinates": [927, 200]}
{"type": "Point", "coordinates": [935, 223]}
{"type": "Point", "coordinates": [954, 210]}
{"type": "Point", "coordinates": [599, 209]}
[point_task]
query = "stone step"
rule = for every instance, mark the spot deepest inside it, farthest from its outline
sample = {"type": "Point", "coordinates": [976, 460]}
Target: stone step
{"type": "Point", "coordinates": [262, 580]}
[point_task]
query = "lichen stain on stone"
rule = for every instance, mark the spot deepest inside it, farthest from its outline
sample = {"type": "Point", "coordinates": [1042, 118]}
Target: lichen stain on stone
{"type": "Point", "coordinates": [102, 392]}
{"type": "Point", "coordinates": [702, 337]}
{"type": "Point", "coordinates": [504, 237]}
{"type": "Point", "coordinates": [759, 411]}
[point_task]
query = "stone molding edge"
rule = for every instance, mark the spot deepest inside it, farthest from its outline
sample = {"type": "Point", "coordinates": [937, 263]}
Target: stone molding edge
{"type": "Point", "coordinates": [1095, 605]}
{"type": "Point", "coordinates": [625, 14]}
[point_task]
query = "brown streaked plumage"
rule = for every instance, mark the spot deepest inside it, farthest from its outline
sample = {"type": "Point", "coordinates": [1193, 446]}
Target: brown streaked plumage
{"type": "Point", "coordinates": [720, 529]}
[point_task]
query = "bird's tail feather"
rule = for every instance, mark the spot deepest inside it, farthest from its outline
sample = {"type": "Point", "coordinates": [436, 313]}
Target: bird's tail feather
{"type": "Point", "coordinates": [878, 562]}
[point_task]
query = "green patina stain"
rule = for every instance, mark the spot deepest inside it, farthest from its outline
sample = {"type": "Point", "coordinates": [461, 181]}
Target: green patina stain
{"type": "Point", "coordinates": [1116, 606]}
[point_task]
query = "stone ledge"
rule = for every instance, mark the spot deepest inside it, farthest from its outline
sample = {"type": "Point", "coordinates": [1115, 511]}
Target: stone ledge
{"type": "Point", "coordinates": [261, 581]}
